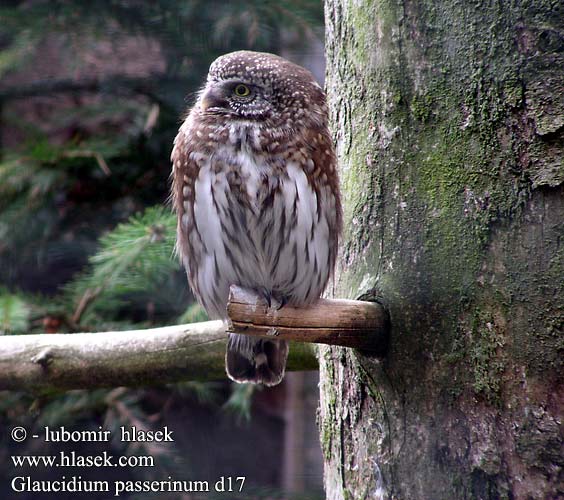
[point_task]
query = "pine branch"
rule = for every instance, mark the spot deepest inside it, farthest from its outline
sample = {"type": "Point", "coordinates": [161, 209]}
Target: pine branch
{"type": "Point", "coordinates": [134, 257]}
{"type": "Point", "coordinates": [56, 362]}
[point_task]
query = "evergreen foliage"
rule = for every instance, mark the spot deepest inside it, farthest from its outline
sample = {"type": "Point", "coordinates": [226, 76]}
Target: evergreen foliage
{"type": "Point", "coordinates": [90, 98]}
{"type": "Point", "coordinates": [97, 152]}
{"type": "Point", "coordinates": [14, 314]}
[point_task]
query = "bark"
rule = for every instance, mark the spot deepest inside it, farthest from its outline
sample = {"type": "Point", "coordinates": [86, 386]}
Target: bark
{"type": "Point", "coordinates": [449, 122]}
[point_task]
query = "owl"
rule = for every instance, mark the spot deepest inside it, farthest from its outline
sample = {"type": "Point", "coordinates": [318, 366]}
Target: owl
{"type": "Point", "coordinates": [256, 191]}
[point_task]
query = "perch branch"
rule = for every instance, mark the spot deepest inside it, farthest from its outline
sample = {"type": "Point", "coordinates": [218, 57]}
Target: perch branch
{"type": "Point", "coordinates": [349, 323]}
{"type": "Point", "coordinates": [51, 362]}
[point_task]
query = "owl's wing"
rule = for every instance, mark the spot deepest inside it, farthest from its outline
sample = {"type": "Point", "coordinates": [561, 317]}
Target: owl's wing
{"type": "Point", "coordinates": [320, 167]}
{"type": "Point", "coordinates": [185, 168]}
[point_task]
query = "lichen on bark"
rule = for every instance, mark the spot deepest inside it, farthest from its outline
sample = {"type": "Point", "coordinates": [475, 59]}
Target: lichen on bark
{"type": "Point", "coordinates": [448, 122]}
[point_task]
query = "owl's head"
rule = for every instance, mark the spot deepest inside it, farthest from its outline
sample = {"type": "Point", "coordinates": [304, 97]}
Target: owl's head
{"type": "Point", "coordinates": [256, 86]}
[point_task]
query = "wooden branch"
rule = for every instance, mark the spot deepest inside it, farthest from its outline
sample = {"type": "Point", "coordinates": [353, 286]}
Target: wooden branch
{"type": "Point", "coordinates": [51, 362]}
{"type": "Point", "coordinates": [349, 323]}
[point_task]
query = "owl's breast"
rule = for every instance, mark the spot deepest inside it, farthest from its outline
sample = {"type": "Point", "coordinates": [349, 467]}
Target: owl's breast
{"type": "Point", "coordinates": [250, 175]}
{"type": "Point", "coordinates": [257, 224]}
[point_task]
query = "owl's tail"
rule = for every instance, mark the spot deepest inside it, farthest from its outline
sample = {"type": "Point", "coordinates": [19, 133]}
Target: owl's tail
{"type": "Point", "coordinates": [256, 361]}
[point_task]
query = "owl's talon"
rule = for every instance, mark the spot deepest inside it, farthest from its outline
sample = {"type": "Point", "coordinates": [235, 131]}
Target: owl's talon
{"type": "Point", "coordinates": [282, 302]}
{"type": "Point", "coordinates": [266, 296]}
{"type": "Point", "coordinates": [273, 299]}
{"type": "Point", "coordinates": [279, 301]}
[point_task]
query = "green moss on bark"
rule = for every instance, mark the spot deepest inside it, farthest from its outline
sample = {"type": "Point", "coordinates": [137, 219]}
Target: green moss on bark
{"type": "Point", "coordinates": [446, 116]}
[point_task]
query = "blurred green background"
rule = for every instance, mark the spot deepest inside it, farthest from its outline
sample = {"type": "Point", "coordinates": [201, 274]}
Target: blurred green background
{"type": "Point", "coordinates": [91, 97]}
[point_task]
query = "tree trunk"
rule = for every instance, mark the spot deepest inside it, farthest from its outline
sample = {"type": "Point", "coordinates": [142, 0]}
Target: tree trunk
{"type": "Point", "coordinates": [449, 122]}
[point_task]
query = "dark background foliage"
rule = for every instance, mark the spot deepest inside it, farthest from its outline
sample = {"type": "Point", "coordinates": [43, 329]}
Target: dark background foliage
{"type": "Point", "coordinates": [91, 97]}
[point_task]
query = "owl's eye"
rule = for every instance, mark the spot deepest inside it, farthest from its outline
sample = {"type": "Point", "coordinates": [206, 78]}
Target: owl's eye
{"type": "Point", "coordinates": [241, 90]}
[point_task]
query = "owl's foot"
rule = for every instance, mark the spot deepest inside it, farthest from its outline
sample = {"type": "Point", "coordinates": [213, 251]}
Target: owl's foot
{"type": "Point", "coordinates": [281, 300]}
{"type": "Point", "coordinates": [273, 299]}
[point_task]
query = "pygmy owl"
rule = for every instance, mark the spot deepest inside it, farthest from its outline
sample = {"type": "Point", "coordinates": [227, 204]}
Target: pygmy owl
{"type": "Point", "coordinates": [256, 191]}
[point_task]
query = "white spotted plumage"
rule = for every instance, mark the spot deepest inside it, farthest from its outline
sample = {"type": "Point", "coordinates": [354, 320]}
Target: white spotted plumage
{"type": "Point", "coordinates": [256, 191]}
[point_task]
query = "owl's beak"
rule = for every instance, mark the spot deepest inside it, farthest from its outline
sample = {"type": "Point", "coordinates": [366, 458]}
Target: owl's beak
{"type": "Point", "coordinates": [213, 98]}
